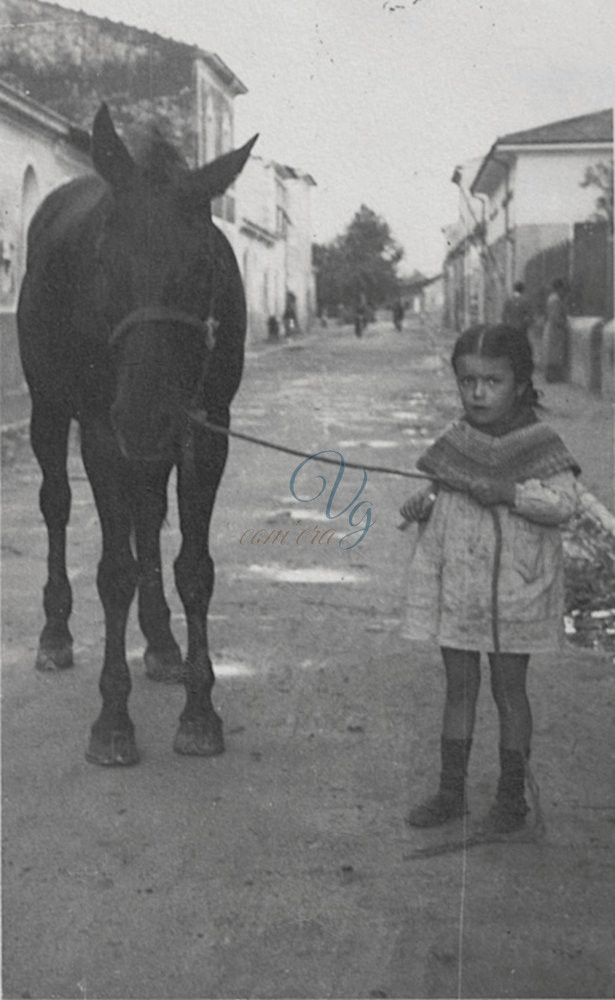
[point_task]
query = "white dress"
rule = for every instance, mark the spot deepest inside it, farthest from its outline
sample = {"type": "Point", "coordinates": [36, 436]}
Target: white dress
{"type": "Point", "coordinates": [450, 595]}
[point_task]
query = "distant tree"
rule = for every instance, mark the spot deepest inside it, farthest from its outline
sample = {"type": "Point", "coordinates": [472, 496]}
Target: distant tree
{"type": "Point", "coordinates": [363, 260]}
{"type": "Point", "coordinates": [600, 176]}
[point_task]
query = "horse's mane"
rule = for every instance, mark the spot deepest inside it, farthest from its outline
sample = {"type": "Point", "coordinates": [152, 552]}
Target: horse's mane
{"type": "Point", "coordinates": [157, 158]}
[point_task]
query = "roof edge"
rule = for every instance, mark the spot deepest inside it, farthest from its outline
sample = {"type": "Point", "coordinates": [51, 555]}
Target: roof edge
{"type": "Point", "coordinates": [512, 142]}
{"type": "Point", "coordinates": [46, 117]}
{"type": "Point", "coordinates": [515, 137]}
{"type": "Point", "coordinates": [220, 68]}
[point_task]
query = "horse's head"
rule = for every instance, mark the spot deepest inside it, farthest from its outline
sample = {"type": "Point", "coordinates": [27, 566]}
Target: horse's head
{"type": "Point", "coordinates": [166, 275]}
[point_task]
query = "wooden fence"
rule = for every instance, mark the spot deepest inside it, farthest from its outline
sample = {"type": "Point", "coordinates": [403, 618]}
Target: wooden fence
{"type": "Point", "coordinates": [585, 263]}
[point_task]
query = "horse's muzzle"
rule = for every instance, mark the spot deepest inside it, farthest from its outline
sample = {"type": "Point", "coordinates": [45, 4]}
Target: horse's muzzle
{"type": "Point", "coordinates": [157, 442]}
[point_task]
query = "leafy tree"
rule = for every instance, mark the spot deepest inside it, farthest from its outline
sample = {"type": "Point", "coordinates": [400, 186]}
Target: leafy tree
{"type": "Point", "coordinates": [362, 261]}
{"type": "Point", "coordinates": [600, 176]}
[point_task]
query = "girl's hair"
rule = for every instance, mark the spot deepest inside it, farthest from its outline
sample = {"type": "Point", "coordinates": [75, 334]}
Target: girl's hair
{"type": "Point", "coordinates": [501, 342]}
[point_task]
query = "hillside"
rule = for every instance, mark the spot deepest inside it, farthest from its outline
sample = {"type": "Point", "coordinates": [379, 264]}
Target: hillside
{"type": "Point", "coordinates": [71, 61]}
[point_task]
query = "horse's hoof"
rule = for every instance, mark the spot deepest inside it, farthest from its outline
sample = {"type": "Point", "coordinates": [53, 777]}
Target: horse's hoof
{"type": "Point", "coordinates": [165, 667]}
{"type": "Point", "coordinates": [51, 659]}
{"type": "Point", "coordinates": [200, 739]}
{"type": "Point", "coordinates": [119, 750]}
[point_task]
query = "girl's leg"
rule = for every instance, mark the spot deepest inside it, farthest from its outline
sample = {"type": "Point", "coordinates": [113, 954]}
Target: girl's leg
{"type": "Point", "coordinates": [508, 684]}
{"type": "Point", "coordinates": [462, 684]}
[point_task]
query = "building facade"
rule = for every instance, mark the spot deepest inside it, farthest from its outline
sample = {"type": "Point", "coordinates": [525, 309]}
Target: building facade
{"type": "Point", "coordinates": [272, 240]}
{"type": "Point", "coordinates": [40, 151]}
{"type": "Point", "coordinates": [526, 196]}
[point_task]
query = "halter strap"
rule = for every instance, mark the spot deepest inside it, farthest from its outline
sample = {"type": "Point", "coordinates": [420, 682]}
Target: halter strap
{"type": "Point", "coordinates": [163, 314]}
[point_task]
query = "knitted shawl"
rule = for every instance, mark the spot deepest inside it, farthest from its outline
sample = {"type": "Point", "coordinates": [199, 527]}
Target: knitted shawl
{"type": "Point", "coordinates": [463, 454]}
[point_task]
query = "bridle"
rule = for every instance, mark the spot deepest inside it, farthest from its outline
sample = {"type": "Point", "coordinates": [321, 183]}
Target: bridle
{"type": "Point", "coordinates": [166, 314]}
{"type": "Point", "coordinates": [169, 314]}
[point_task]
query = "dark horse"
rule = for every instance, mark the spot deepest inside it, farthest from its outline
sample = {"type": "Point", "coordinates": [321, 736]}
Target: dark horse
{"type": "Point", "coordinates": [132, 313]}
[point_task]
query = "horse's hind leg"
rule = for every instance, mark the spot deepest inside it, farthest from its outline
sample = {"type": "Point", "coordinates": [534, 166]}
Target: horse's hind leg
{"type": "Point", "coordinates": [163, 658]}
{"type": "Point", "coordinates": [49, 429]}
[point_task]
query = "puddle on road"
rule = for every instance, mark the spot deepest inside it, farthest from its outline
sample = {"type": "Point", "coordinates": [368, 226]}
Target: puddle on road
{"type": "Point", "coordinates": [369, 444]}
{"type": "Point", "coordinates": [372, 418]}
{"type": "Point", "coordinates": [419, 435]}
{"type": "Point", "coordinates": [179, 616]}
{"type": "Point", "coordinates": [292, 513]}
{"type": "Point", "coordinates": [226, 666]}
{"type": "Point", "coordinates": [307, 575]}
{"type": "Point", "coordinates": [304, 383]}
{"type": "Point", "coordinates": [230, 668]}
{"type": "Point", "coordinates": [384, 625]}
{"type": "Point", "coordinates": [410, 415]}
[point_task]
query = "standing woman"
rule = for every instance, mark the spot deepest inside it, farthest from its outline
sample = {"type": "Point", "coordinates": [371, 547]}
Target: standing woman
{"type": "Point", "coordinates": [555, 335]}
{"type": "Point", "coordinates": [486, 573]}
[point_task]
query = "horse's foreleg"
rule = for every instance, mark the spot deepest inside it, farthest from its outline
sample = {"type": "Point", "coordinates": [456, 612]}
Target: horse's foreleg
{"type": "Point", "coordinates": [200, 728]}
{"type": "Point", "coordinates": [163, 658]}
{"type": "Point", "coordinates": [112, 739]}
{"type": "Point", "coordinates": [49, 437]}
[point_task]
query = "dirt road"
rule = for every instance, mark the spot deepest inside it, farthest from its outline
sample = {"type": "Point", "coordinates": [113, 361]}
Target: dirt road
{"type": "Point", "coordinates": [284, 868]}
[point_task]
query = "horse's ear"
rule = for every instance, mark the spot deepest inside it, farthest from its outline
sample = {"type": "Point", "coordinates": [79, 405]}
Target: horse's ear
{"type": "Point", "coordinates": [213, 179]}
{"type": "Point", "coordinates": [109, 154]}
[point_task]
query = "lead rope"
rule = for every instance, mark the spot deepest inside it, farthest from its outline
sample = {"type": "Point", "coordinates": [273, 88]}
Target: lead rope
{"type": "Point", "coordinates": [200, 417]}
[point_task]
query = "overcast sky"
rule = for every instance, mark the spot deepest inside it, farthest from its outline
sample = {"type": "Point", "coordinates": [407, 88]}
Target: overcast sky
{"type": "Point", "coordinates": [380, 99]}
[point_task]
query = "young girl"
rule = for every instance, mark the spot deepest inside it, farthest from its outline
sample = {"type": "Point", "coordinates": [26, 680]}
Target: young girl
{"type": "Point", "coordinates": [486, 574]}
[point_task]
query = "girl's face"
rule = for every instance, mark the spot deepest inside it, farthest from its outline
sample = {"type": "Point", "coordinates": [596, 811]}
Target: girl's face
{"type": "Point", "coordinates": [487, 389]}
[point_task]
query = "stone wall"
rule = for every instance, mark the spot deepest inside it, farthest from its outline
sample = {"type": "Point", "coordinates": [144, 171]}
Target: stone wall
{"type": "Point", "coordinates": [591, 353]}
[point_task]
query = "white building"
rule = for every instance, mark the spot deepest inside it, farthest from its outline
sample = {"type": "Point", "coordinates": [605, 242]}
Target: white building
{"type": "Point", "coordinates": [40, 150]}
{"type": "Point", "coordinates": [273, 243]}
{"type": "Point", "coordinates": [525, 196]}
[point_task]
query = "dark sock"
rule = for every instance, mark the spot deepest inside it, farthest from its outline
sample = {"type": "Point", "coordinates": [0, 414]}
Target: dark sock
{"type": "Point", "coordinates": [511, 784]}
{"type": "Point", "coordinates": [455, 755]}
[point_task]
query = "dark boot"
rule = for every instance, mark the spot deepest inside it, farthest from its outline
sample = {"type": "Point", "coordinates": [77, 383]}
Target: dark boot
{"type": "Point", "coordinates": [450, 801]}
{"type": "Point", "coordinates": [508, 812]}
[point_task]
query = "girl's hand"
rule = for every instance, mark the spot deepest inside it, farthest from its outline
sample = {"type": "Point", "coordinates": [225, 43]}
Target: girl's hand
{"type": "Point", "coordinates": [489, 492]}
{"type": "Point", "coordinates": [418, 507]}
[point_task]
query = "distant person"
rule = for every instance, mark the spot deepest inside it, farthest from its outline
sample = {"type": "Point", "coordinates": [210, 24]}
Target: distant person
{"type": "Point", "coordinates": [555, 335]}
{"type": "Point", "coordinates": [273, 329]}
{"type": "Point", "coordinates": [501, 483]}
{"type": "Point", "coordinates": [289, 316]}
{"type": "Point", "coordinates": [517, 312]}
{"type": "Point", "coordinates": [398, 314]}
{"type": "Point", "coordinates": [361, 314]}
